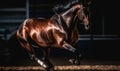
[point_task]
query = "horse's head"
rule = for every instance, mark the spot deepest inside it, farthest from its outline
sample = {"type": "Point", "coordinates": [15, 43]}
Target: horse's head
{"type": "Point", "coordinates": [72, 11]}
{"type": "Point", "coordinates": [83, 16]}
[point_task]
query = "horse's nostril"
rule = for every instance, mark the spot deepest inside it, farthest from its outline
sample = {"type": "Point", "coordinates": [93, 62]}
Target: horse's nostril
{"type": "Point", "coordinates": [86, 26]}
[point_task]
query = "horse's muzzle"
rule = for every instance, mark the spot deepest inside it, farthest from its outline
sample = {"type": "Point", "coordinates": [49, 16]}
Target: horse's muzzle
{"type": "Point", "coordinates": [87, 27]}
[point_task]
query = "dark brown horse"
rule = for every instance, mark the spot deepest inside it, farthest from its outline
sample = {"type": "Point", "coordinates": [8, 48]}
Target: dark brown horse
{"type": "Point", "coordinates": [59, 31]}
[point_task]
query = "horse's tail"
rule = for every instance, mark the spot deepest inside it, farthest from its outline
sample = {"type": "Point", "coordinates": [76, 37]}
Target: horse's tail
{"type": "Point", "coordinates": [14, 47]}
{"type": "Point", "coordinates": [13, 35]}
{"type": "Point", "coordinates": [27, 20]}
{"type": "Point", "coordinates": [13, 44]}
{"type": "Point", "coordinates": [23, 23]}
{"type": "Point", "coordinates": [12, 41]}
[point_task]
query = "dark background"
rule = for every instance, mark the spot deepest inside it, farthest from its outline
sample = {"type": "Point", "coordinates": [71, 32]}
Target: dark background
{"type": "Point", "coordinates": [101, 41]}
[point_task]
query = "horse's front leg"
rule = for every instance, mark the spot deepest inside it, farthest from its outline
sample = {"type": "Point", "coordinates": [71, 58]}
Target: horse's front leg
{"type": "Point", "coordinates": [76, 52]}
{"type": "Point", "coordinates": [77, 56]}
{"type": "Point", "coordinates": [46, 52]}
{"type": "Point", "coordinates": [39, 61]}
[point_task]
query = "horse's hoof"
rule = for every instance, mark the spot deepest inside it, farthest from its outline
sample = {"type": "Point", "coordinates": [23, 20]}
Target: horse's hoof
{"type": "Point", "coordinates": [74, 61]}
{"type": "Point", "coordinates": [50, 69]}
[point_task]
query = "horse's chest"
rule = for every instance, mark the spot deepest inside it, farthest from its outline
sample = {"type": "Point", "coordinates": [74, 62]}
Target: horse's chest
{"type": "Point", "coordinates": [73, 37]}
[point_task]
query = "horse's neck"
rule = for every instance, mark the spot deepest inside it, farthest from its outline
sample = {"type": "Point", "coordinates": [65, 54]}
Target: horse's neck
{"type": "Point", "coordinates": [69, 15]}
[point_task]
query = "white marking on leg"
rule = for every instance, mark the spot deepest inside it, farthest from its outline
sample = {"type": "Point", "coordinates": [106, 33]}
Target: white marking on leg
{"type": "Point", "coordinates": [41, 63]}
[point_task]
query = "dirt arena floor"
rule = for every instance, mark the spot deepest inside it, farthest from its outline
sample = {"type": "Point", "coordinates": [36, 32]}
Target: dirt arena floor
{"type": "Point", "coordinates": [59, 58]}
{"type": "Point", "coordinates": [62, 64]}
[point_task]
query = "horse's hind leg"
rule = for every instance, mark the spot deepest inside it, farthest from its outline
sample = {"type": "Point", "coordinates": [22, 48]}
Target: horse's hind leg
{"type": "Point", "coordinates": [46, 52]}
{"type": "Point", "coordinates": [31, 53]}
{"type": "Point", "coordinates": [35, 58]}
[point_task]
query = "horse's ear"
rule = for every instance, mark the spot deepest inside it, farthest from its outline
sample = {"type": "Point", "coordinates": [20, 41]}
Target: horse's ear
{"type": "Point", "coordinates": [87, 2]}
{"type": "Point", "coordinates": [75, 1]}
{"type": "Point", "coordinates": [79, 1]}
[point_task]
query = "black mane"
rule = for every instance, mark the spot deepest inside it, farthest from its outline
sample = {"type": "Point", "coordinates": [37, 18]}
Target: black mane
{"type": "Point", "coordinates": [63, 7]}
